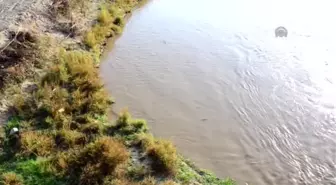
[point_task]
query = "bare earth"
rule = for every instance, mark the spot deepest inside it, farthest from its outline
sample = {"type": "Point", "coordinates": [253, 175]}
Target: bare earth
{"type": "Point", "coordinates": [12, 12]}
{"type": "Point", "coordinates": [11, 9]}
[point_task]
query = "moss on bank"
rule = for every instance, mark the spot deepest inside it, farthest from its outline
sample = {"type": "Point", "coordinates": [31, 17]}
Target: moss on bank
{"type": "Point", "coordinates": [64, 136]}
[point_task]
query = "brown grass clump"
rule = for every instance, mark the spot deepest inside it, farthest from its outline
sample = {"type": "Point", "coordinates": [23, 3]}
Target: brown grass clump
{"type": "Point", "coordinates": [110, 23]}
{"type": "Point", "coordinates": [11, 178]}
{"type": "Point", "coordinates": [36, 143]}
{"type": "Point", "coordinates": [148, 181]}
{"type": "Point", "coordinates": [92, 128]}
{"type": "Point", "coordinates": [97, 35]}
{"type": "Point", "coordinates": [162, 152]}
{"type": "Point", "coordinates": [96, 161]}
{"type": "Point", "coordinates": [104, 16]}
{"type": "Point", "coordinates": [69, 138]}
{"type": "Point", "coordinates": [68, 95]}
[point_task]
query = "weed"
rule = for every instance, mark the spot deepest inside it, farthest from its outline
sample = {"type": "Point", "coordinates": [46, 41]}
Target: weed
{"type": "Point", "coordinates": [93, 163]}
{"type": "Point", "coordinates": [114, 10]}
{"type": "Point", "coordinates": [11, 178]}
{"type": "Point", "coordinates": [69, 91]}
{"type": "Point", "coordinates": [90, 39]}
{"type": "Point", "coordinates": [127, 128]}
{"type": "Point", "coordinates": [186, 174]}
{"type": "Point", "coordinates": [126, 125]}
{"type": "Point", "coordinates": [36, 172]}
{"type": "Point", "coordinates": [189, 173]}
{"type": "Point", "coordinates": [97, 35]}
{"type": "Point", "coordinates": [36, 143]}
{"type": "Point", "coordinates": [162, 152]}
{"type": "Point", "coordinates": [92, 128]}
{"type": "Point", "coordinates": [148, 181]}
{"type": "Point", "coordinates": [117, 29]}
{"type": "Point", "coordinates": [104, 16]}
{"type": "Point", "coordinates": [137, 171]}
{"type": "Point", "coordinates": [69, 138]}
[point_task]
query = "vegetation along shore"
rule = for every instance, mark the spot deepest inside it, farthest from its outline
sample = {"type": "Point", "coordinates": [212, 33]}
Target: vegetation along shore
{"type": "Point", "coordinates": [55, 107]}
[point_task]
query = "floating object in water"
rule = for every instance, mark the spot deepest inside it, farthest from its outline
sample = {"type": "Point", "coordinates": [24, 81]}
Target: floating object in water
{"type": "Point", "coordinates": [281, 32]}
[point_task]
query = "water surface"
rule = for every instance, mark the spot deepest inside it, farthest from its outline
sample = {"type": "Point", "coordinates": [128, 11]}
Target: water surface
{"type": "Point", "coordinates": [211, 76]}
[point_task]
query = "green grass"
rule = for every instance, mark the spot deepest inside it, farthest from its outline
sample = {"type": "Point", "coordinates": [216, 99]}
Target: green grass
{"type": "Point", "coordinates": [110, 23]}
{"type": "Point", "coordinates": [31, 172]}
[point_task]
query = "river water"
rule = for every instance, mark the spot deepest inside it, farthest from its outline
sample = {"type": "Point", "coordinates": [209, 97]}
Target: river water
{"type": "Point", "coordinates": [211, 76]}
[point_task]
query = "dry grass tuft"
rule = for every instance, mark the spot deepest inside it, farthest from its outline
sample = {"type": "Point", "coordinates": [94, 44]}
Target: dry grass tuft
{"type": "Point", "coordinates": [104, 16]}
{"type": "Point", "coordinates": [110, 23]}
{"type": "Point", "coordinates": [148, 181]}
{"type": "Point", "coordinates": [11, 178]}
{"type": "Point", "coordinates": [125, 125]}
{"type": "Point", "coordinates": [69, 94]}
{"type": "Point", "coordinates": [97, 35]}
{"type": "Point", "coordinates": [162, 152]}
{"type": "Point", "coordinates": [69, 138]}
{"type": "Point", "coordinates": [94, 162]}
{"type": "Point", "coordinates": [36, 143]}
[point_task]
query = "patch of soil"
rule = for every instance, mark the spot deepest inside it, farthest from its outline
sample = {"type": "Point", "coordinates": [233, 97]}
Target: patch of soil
{"type": "Point", "coordinates": [15, 53]}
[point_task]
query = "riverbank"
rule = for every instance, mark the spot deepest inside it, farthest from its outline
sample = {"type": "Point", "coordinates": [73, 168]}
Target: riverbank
{"type": "Point", "coordinates": [54, 97]}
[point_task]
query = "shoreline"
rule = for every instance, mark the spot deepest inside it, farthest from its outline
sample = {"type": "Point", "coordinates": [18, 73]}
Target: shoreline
{"type": "Point", "coordinates": [59, 107]}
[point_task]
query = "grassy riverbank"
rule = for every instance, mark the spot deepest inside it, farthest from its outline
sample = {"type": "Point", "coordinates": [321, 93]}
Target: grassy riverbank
{"type": "Point", "coordinates": [64, 136]}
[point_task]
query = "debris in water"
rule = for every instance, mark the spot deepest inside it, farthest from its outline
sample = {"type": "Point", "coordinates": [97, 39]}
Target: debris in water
{"type": "Point", "coordinates": [281, 32]}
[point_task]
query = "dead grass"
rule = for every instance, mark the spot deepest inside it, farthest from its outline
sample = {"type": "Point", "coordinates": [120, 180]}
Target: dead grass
{"type": "Point", "coordinates": [93, 163]}
{"type": "Point", "coordinates": [110, 23]}
{"type": "Point", "coordinates": [68, 95]}
{"type": "Point", "coordinates": [97, 35]}
{"type": "Point", "coordinates": [104, 16]}
{"type": "Point", "coordinates": [162, 152]}
{"type": "Point", "coordinates": [69, 138]}
{"type": "Point", "coordinates": [36, 143]}
{"type": "Point", "coordinates": [11, 178]}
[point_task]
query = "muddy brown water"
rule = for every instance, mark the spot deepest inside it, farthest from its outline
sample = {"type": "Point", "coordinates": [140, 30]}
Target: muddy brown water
{"type": "Point", "coordinates": [211, 76]}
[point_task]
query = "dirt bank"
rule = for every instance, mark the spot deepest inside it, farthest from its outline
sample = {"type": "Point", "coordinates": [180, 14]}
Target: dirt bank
{"type": "Point", "coordinates": [13, 11]}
